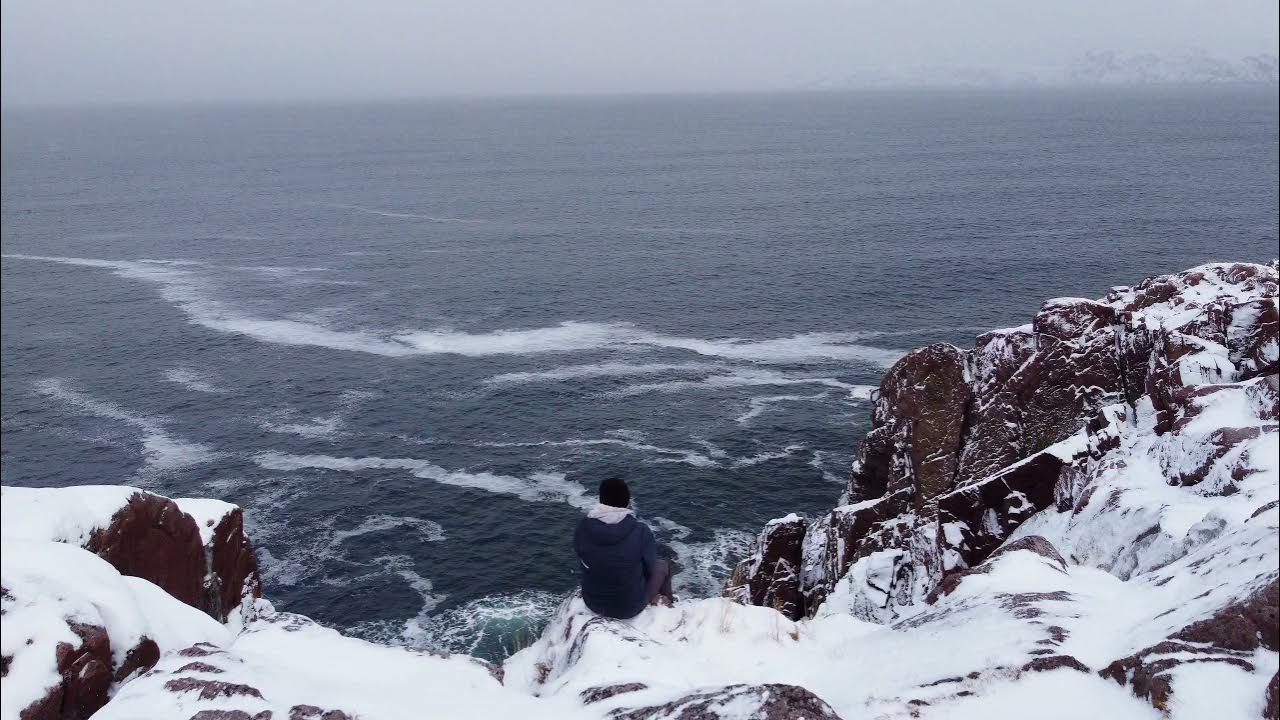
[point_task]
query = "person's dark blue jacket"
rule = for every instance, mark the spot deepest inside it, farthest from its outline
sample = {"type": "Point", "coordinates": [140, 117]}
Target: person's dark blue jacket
{"type": "Point", "coordinates": [617, 559]}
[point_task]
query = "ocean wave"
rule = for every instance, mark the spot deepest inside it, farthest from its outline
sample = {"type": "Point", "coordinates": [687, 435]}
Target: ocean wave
{"type": "Point", "coordinates": [765, 457]}
{"type": "Point", "coordinates": [538, 487]}
{"type": "Point", "coordinates": [160, 450]}
{"type": "Point", "coordinates": [597, 370]}
{"type": "Point", "coordinates": [324, 427]}
{"type": "Point", "coordinates": [631, 441]}
{"type": "Point", "coordinates": [704, 565]}
{"type": "Point", "coordinates": [193, 380]}
{"type": "Point", "coordinates": [494, 626]}
{"type": "Point", "coordinates": [402, 215]}
{"type": "Point", "coordinates": [819, 462]}
{"type": "Point", "coordinates": [744, 377]}
{"type": "Point", "coordinates": [189, 291]}
{"type": "Point", "coordinates": [758, 406]}
{"type": "Point", "coordinates": [424, 530]}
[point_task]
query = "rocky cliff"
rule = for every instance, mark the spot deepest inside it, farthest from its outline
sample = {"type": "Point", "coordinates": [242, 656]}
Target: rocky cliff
{"type": "Point", "coordinates": [1140, 426]}
{"type": "Point", "coordinates": [1079, 517]}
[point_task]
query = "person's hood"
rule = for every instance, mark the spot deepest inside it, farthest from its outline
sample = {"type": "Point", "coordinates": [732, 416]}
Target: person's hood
{"type": "Point", "coordinates": [607, 525]}
{"type": "Point", "coordinates": [608, 514]}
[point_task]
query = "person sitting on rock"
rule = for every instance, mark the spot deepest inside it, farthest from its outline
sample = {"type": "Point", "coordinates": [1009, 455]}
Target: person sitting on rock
{"type": "Point", "coordinates": [621, 570]}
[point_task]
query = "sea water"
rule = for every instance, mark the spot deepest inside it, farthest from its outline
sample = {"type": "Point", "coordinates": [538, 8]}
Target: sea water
{"type": "Point", "coordinates": [410, 338]}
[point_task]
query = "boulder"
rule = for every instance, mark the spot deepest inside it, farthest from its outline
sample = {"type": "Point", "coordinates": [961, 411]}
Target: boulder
{"type": "Point", "coordinates": [151, 538]}
{"type": "Point", "coordinates": [761, 702]}
{"type": "Point", "coordinates": [771, 576]}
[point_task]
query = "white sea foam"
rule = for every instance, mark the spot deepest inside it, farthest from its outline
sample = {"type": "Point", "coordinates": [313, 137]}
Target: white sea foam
{"type": "Point", "coordinates": [744, 377]}
{"type": "Point", "coordinates": [160, 450]}
{"type": "Point", "coordinates": [403, 566]}
{"type": "Point", "coordinates": [765, 457]}
{"type": "Point", "coordinates": [189, 291]}
{"type": "Point", "coordinates": [757, 406]}
{"type": "Point", "coordinates": [322, 427]}
{"type": "Point", "coordinates": [403, 215]}
{"type": "Point", "coordinates": [494, 625]}
{"type": "Point", "coordinates": [598, 370]}
{"type": "Point", "coordinates": [192, 380]}
{"type": "Point", "coordinates": [819, 463]}
{"type": "Point", "coordinates": [424, 530]}
{"type": "Point", "coordinates": [538, 487]}
{"type": "Point", "coordinates": [629, 439]}
{"type": "Point", "coordinates": [704, 566]}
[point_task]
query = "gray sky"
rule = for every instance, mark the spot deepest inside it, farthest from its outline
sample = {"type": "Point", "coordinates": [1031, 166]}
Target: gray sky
{"type": "Point", "coordinates": [72, 51]}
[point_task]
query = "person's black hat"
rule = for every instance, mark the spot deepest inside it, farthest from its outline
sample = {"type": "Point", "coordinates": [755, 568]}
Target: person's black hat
{"type": "Point", "coordinates": [615, 493]}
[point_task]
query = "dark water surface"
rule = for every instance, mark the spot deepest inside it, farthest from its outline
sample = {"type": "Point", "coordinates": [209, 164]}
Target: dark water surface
{"type": "Point", "coordinates": [410, 338]}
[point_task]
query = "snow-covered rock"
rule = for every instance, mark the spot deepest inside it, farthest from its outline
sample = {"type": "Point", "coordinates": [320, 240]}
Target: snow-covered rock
{"type": "Point", "coordinates": [1127, 433]}
{"type": "Point", "coordinates": [195, 549]}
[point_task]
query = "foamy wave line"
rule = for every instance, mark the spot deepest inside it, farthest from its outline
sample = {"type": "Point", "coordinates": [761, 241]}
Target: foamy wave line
{"type": "Point", "coordinates": [426, 530]}
{"type": "Point", "coordinates": [690, 457]}
{"type": "Point", "coordinates": [758, 406]}
{"type": "Point", "coordinates": [403, 215]}
{"type": "Point", "coordinates": [597, 370]}
{"type": "Point", "coordinates": [539, 487]}
{"type": "Point", "coordinates": [192, 380]}
{"type": "Point", "coordinates": [160, 450]}
{"type": "Point", "coordinates": [187, 291]}
{"type": "Point", "coordinates": [765, 457]}
{"type": "Point", "coordinates": [746, 377]}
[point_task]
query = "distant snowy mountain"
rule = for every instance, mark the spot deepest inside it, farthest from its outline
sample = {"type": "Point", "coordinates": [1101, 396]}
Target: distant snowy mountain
{"type": "Point", "coordinates": [1186, 67]}
{"type": "Point", "coordinates": [1105, 67]}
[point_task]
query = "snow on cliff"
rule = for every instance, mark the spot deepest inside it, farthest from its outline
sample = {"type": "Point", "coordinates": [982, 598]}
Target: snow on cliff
{"type": "Point", "coordinates": [1079, 517]}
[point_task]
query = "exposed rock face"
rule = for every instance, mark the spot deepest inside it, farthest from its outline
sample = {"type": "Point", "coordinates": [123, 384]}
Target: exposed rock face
{"type": "Point", "coordinates": [86, 673]}
{"type": "Point", "coordinates": [778, 587]}
{"type": "Point", "coordinates": [151, 538]}
{"type": "Point", "coordinates": [232, 567]}
{"type": "Point", "coordinates": [966, 445]}
{"type": "Point", "coordinates": [763, 702]}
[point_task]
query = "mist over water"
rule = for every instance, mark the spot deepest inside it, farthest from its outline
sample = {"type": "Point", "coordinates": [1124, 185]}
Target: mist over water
{"type": "Point", "coordinates": [410, 338]}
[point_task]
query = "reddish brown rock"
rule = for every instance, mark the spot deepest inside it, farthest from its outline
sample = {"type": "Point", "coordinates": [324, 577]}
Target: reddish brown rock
{"type": "Point", "coordinates": [211, 689]}
{"type": "Point", "coordinates": [1055, 662]}
{"type": "Point", "coordinates": [773, 702]}
{"type": "Point", "coordinates": [917, 423]}
{"type": "Point", "coordinates": [771, 576]}
{"type": "Point", "coordinates": [233, 567]}
{"type": "Point", "coordinates": [598, 694]}
{"type": "Point", "coordinates": [141, 658]}
{"type": "Point", "coordinates": [86, 675]}
{"type": "Point", "coordinates": [312, 712]}
{"type": "Point", "coordinates": [152, 539]}
{"type": "Point", "coordinates": [230, 715]}
{"type": "Point", "coordinates": [976, 519]}
{"type": "Point", "coordinates": [1271, 702]}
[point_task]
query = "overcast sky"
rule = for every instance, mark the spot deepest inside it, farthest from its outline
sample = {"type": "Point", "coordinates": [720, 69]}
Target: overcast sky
{"type": "Point", "coordinates": [72, 51]}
